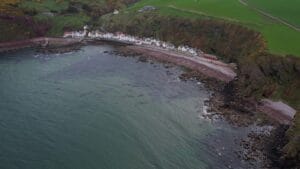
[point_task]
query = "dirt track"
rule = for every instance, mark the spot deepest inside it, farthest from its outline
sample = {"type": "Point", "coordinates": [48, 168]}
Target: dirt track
{"type": "Point", "coordinates": [209, 67]}
{"type": "Point", "coordinates": [277, 110]}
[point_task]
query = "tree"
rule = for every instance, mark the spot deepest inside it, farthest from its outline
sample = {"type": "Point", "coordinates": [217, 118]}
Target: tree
{"type": "Point", "coordinates": [6, 6]}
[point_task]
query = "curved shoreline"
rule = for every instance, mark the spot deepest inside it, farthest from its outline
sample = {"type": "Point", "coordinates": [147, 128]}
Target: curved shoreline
{"type": "Point", "coordinates": [37, 42]}
{"type": "Point", "coordinates": [220, 72]}
{"type": "Point", "coordinates": [209, 67]}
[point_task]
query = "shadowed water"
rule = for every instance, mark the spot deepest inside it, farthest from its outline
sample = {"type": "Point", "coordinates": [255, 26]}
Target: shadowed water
{"type": "Point", "coordinates": [93, 110]}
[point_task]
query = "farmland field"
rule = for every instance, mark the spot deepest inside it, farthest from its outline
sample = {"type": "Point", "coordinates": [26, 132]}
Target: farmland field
{"type": "Point", "coordinates": [286, 10]}
{"type": "Point", "coordinates": [280, 37]}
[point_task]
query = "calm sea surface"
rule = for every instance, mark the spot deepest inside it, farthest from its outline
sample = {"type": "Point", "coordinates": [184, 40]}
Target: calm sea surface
{"type": "Point", "coordinates": [93, 110]}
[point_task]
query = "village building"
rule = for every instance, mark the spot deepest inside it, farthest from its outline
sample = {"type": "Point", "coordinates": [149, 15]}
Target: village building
{"type": "Point", "coordinates": [119, 36]}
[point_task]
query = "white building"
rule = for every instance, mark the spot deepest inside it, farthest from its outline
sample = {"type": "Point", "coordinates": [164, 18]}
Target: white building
{"type": "Point", "coordinates": [132, 39]}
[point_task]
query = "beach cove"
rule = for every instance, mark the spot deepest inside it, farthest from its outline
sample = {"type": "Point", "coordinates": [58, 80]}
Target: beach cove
{"type": "Point", "coordinates": [92, 106]}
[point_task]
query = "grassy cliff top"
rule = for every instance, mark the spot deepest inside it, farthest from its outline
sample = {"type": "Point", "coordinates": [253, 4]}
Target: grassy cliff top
{"type": "Point", "coordinates": [277, 20]}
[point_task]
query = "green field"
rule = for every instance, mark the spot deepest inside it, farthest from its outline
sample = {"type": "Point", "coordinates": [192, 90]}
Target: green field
{"type": "Point", "coordinates": [285, 10]}
{"type": "Point", "coordinates": [281, 38]}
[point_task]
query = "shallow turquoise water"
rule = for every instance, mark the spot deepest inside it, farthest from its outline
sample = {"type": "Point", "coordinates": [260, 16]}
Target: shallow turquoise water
{"type": "Point", "coordinates": [93, 110]}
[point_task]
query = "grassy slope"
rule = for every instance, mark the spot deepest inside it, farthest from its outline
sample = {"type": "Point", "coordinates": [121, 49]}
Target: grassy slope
{"type": "Point", "coordinates": [281, 39]}
{"type": "Point", "coordinates": [45, 5]}
{"type": "Point", "coordinates": [59, 21]}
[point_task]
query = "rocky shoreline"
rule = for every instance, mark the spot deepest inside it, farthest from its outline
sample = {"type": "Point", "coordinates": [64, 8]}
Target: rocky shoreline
{"type": "Point", "coordinates": [224, 102]}
{"type": "Point", "coordinates": [206, 66]}
{"type": "Point", "coordinates": [257, 147]}
{"type": "Point", "coordinates": [209, 67]}
{"type": "Point", "coordinates": [225, 73]}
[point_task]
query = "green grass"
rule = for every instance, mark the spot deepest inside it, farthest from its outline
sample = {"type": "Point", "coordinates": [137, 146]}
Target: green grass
{"type": "Point", "coordinates": [45, 5]}
{"type": "Point", "coordinates": [280, 38]}
{"type": "Point", "coordinates": [75, 21]}
{"type": "Point", "coordinates": [286, 10]}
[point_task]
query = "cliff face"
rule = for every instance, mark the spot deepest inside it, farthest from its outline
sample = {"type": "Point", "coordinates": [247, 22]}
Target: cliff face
{"type": "Point", "coordinates": [260, 74]}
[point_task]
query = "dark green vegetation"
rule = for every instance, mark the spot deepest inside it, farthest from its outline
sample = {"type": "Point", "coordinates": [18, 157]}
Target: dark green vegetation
{"type": "Point", "coordinates": [260, 74]}
{"type": "Point", "coordinates": [8, 31]}
{"type": "Point", "coordinates": [292, 148]}
{"type": "Point", "coordinates": [50, 17]}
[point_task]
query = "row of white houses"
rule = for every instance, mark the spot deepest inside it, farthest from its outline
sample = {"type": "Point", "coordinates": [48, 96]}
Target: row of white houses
{"type": "Point", "coordinates": [134, 40]}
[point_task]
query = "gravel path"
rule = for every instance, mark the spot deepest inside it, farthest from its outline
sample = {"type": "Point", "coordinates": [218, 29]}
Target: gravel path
{"type": "Point", "coordinates": [277, 110]}
{"type": "Point", "coordinates": [208, 67]}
